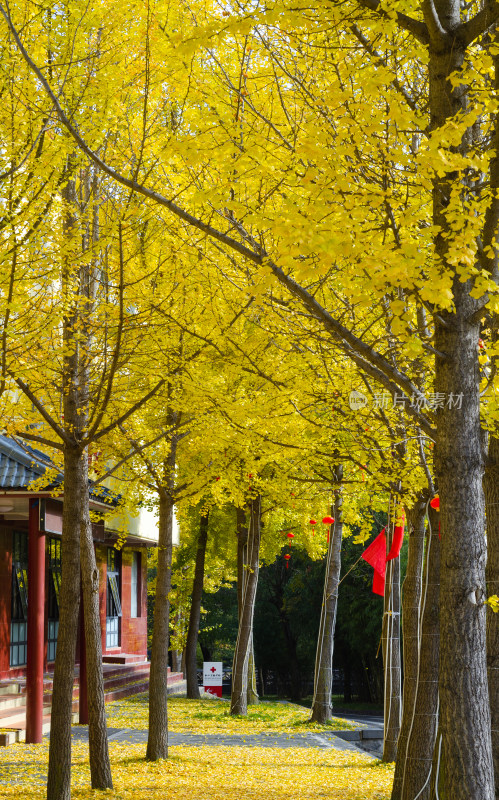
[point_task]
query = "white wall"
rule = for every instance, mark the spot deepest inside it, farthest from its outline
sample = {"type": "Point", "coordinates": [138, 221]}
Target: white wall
{"type": "Point", "coordinates": [144, 524]}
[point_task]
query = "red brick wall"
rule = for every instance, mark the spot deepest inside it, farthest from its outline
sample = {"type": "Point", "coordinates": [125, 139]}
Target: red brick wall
{"type": "Point", "coordinates": [133, 629]}
{"type": "Point", "coordinates": [101, 558]}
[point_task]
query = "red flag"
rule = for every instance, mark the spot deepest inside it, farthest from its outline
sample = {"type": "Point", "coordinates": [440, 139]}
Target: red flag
{"type": "Point", "coordinates": [379, 583]}
{"type": "Point", "coordinates": [398, 538]}
{"type": "Point", "coordinates": [375, 554]}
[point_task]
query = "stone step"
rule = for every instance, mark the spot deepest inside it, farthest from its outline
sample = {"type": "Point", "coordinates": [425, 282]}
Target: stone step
{"type": "Point", "coordinates": [8, 737]}
{"type": "Point", "coordinates": [124, 658]}
{"type": "Point", "coordinates": [117, 681]}
{"type": "Point", "coordinates": [16, 717]}
{"type": "Point", "coordinates": [360, 734]}
{"type": "Point", "coordinates": [177, 687]}
{"type": "Point", "coordinates": [11, 700]}
{"type": "Point", "coordinates": [15, 720]}
{"type": "Point", "coordinates": [9, 687]}
{"type": "Point", "coordinates": [114, 680]}
{"type": "Point", "coordinates": [176, 683]}
{"type": "Point", "coordinates": [20, 729]}
{"type": "Point", "coordinates": [127, 691]}
{"type": "Point", "coordinates": [111, 671]}
{"type": "Point", "coordinates": [120, 680]}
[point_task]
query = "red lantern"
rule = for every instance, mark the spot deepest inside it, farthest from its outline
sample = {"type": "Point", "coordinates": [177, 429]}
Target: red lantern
{"type": "Point", "coordinates": [287, 557]}
{"type": "Point", "coordinates": [313, 522]}
{"type": "Point", "coordinates": [328, 521]}
{"type": "Point", "coordinates": [435, 503]}
{"type": "Point", "coordinates": [291, 535]}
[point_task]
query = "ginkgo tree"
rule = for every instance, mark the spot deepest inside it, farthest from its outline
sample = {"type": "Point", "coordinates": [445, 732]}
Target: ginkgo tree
{"type": "Point", "coordinates": [429, 228]}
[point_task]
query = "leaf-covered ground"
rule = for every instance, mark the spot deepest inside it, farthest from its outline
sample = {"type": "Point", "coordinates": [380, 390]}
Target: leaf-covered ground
{"type": "Point", "coordinates": [204, 773]}
{"type": "Point", "coordinates": [212, 716]}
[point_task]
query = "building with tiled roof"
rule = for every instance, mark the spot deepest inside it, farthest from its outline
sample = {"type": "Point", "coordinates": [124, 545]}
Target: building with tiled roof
{"type": "Point", "coordinates": [31, 507]}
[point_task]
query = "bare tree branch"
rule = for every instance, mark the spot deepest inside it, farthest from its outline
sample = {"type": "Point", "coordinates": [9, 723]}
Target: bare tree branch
{"type": "Point", "coordinates": [117, 349]}
{"type": "Point", "coordinates": [43, 411]}
{"type": "Point", "coordinates": [418, 29]}
{"type": "Point", "coordinates": [32, 437]}
{"type": "Point", "coordinates": [480, 23]}
{"type": "Point", "coordinates": [124, 417]}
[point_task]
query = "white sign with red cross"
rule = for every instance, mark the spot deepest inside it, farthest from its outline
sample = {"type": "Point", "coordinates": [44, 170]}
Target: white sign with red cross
{"type": "Point", "coordinates": [212, 677]}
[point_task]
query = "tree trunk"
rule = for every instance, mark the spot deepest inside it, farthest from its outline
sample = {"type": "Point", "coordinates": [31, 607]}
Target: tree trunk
{"type": "Point", "coordinates": [252, 694]}
{"type": "Point", "coordinates": [391, 654]}
{"type": "Point", "coordinates": [411, 603]}
{"type": "Point", "coordinates": [322, 708]}
{"type": "Point", "coordinates": [437, 781]}
{"type": "Point", "coordinates": [59, 768]}
{"type": "Point", "coordinates": [157, 742]}
{"type": "Point", "coordinates": [464, 698]}
{"type": "Point", "coordinates": [242, 539]}
{"type": "Point", "coordinates": [491, 485]}
{"type": "Point", "coordinates": [100, 767]}
{"type": "Point", "coordinates": [195, 613]}
{"type": "Point", "coordinates": [417, 763]}
{"type": "Point", "coordinates": [239, 698]}
{"type": "Point", "coordinates": [177, 661]}
{"type": "Point", "coordinates": [76, 543]}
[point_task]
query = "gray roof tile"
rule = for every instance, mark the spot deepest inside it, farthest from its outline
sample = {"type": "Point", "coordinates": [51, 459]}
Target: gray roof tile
{"type": "Point", "coordinates": [20, 465]}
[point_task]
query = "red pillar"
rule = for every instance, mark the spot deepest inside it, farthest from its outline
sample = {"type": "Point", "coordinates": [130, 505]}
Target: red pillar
{"type": "Point", "coordinates": [36, 626]}
{"type": "Point", "coordinates": [82, 681]}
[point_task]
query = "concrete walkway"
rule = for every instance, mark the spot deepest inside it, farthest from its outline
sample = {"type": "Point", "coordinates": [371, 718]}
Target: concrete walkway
{"type": "Point", "coordinates": [322, 740]}
{"type": "Point", "coordinates": [367, 738]}
{"type": "Point", "coordinates": [31, 769]}
{"type": "Point", "coordinates": [371, 720]}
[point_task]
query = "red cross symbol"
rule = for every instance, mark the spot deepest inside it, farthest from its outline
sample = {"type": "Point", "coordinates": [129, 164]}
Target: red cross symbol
{"type": "Point", "coordinates": [213, 669]}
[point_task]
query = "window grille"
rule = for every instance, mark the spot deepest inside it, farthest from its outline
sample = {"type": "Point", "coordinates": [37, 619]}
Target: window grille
{"type": "Point", "coordinates": [54, 587]}
{"type": "Point", "coordinates": [19, 606]}
{"type": "Point", "coordinates": [113, 601]}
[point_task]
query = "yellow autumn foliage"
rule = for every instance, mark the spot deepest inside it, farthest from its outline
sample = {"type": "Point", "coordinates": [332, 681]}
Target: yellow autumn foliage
{"type": "Point", "coordinates": [197, 773]}
{"type": "Point", "coordinates": [212, 717]}
{"type": "Point", "coordinates": [220, 773]}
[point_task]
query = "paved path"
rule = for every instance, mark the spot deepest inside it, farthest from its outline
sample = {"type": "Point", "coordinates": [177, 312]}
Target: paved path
{"type": "Point", "coordinates": [277, 740]}
{"type": "Point", "coordinates": [366, 720]}
{"type": "Point", "coordinates": [33, 769]}
{"type": "Point", "coordinates": [371, 720]}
